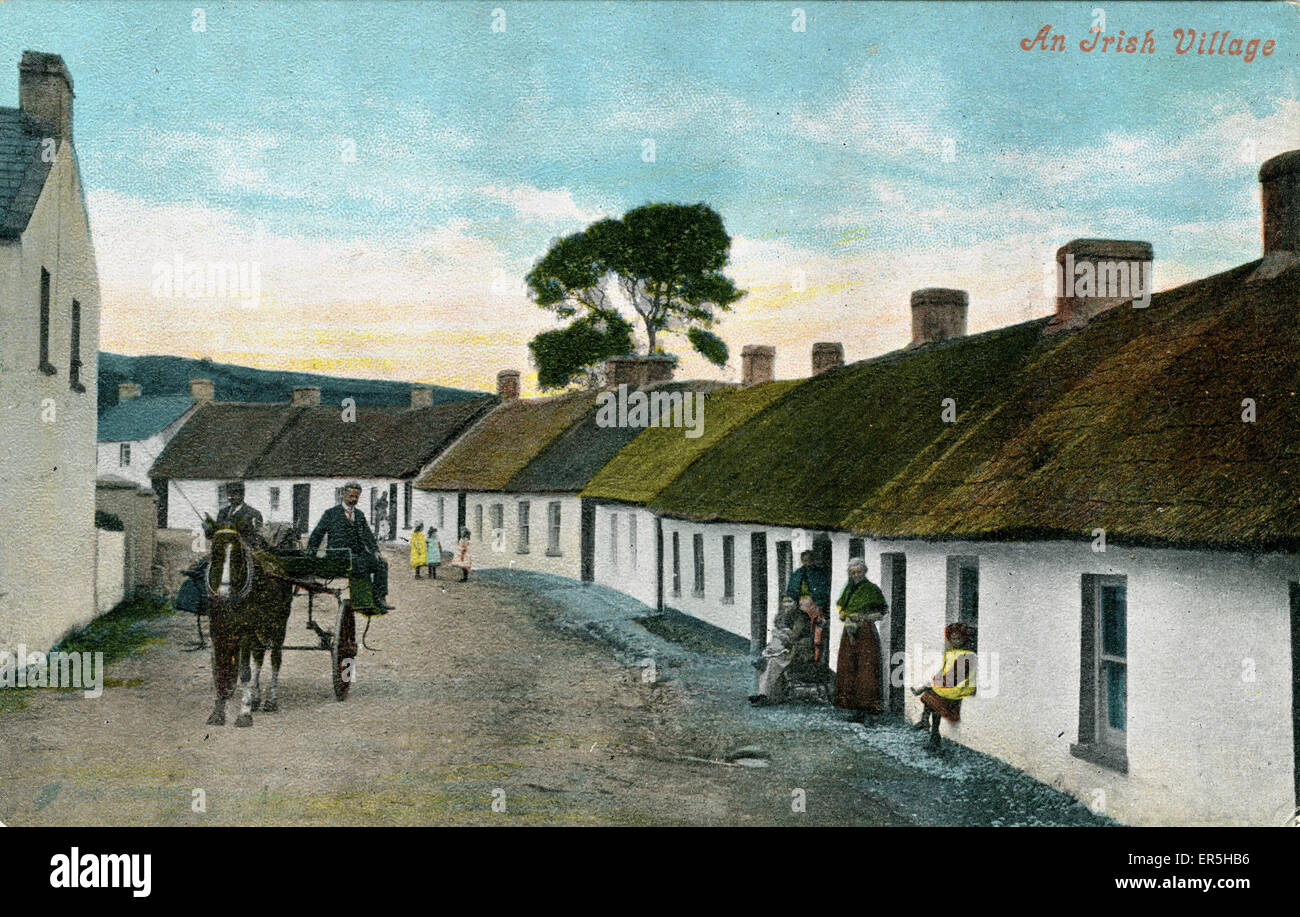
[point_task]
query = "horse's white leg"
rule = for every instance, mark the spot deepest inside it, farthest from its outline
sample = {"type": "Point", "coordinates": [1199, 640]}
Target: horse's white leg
{"type": "Point", "coordinates": [245, 717]}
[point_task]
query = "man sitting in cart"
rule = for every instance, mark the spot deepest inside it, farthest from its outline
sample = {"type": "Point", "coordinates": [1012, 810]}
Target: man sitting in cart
{"type": "Point", "coordinates": [345, 526]}
{"type": "Point", "coordinates": [235, 514]}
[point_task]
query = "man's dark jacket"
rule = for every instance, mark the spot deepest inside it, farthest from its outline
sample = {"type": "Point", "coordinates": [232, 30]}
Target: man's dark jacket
{"type": "Point", "coordinates": [819, 585]}
{"type": "Point", "coordinates": [355, 535]}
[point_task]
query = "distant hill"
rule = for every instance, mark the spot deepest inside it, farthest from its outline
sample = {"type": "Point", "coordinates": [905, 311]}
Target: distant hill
{"type": "Point", "coordinates": [162, 375]}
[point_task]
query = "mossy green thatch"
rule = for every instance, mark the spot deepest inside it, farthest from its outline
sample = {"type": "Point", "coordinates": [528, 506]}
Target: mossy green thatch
{"type": "Point", "coordinates": [821, 451]}
{"type": "Point", "coordinates": [1133, 424]}
{"type": "Point", "coordinates": [651, 461]}
{"type": "Point", "coordinates": [499, 446]}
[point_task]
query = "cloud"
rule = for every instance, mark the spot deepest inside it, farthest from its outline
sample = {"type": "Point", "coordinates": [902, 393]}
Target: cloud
{"type": "Point", "coordinates": [540, 205]}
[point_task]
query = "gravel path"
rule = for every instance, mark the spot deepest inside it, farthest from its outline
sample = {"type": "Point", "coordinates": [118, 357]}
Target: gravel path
{"type": "Point", "coordinates": [511, 699]}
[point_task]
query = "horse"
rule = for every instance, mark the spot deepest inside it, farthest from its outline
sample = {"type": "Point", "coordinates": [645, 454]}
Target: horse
{"type": "Point", "coordinates": [248, 613]}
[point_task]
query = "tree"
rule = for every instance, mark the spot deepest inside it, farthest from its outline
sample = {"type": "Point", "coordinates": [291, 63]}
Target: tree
{"type": "Point", "coordinates": [574, 353]}
{"type": "Point", "coordinates": [666, 260]}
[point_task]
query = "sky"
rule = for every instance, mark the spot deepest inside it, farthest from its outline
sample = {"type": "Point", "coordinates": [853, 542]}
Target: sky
{"type": "Point", "coordinates": [389, 172]}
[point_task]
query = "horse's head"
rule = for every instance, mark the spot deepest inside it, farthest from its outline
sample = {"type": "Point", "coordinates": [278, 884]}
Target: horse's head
{"type": "Point", "coordinates": [230, 564]}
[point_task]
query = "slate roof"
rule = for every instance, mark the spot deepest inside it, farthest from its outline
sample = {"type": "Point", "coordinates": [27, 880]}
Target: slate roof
{"type": "Point", "coordinates": [380, 443]}
{"type": "Point", "coordinates": [22, 169]}
{"type": "Point", "coordinates": [573, 457]}
{"type": "Point", "coordinates": [142, 417]}
{"type": "Point", "coordinates": [1132, 424]}
{"type": "Point", "coordinates": [820, 451]}
{"type": "Point", "coordinates": [500, 445]}
{"type": "Point", "coordinates": [654, 458]}
{"type": "Point", "coordinates": [224, 441]}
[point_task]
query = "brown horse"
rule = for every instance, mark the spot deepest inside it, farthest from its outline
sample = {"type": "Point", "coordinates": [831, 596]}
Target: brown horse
{"type": "Point", "coordinates": [248, 613]}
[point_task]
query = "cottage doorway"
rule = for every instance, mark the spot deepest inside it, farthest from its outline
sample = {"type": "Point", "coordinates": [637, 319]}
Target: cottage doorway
{"type": "Point", "coordinates": [758, 591]}
{"type": "Point", "coordinates": [893, 583]}
{"type": "Point", "coordinates": [301, 507]}
{"type": "Point", "coordinates": [1295, 689]}
{"type": "Point", "coordinates": [587, 533]}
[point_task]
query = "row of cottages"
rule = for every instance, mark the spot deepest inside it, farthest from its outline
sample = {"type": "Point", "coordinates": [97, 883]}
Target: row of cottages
{"type": "Point", "coordinates": [1037, 482]}
{"type": "Point", "coordinates": [515, 480]}
{"type": "Point", "coordinates": [48, 365]}
{"type": "Point", "coordinates": [295, 457]}
{"type": "Point", "coordinates": [133, 432]}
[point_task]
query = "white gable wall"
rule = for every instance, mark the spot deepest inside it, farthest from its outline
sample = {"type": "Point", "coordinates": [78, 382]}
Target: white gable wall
{"type": "Point", "coordinates": [47, 489]}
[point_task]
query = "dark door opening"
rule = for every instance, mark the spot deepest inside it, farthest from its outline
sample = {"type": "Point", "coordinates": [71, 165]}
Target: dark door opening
{"type": "Point", "coordinates": [460, 514]}
{"type": "Point", "coordinates": [821, 548]}
{"type": "Point", "coordinates": [758, 591]}
{"type": "Point", "coordinates": [1295, 690]}
{"type": "Point", "coordinates": [160, 488]}
{"type": "Point", "coordinates": [784, 564]}
{"type": "Point", "coordinates": [588, 534]}
{"type": "Point", "coordinates": [392, 512]}
{"type": "Point", "coordinates": [659, 564]}
{"type": "Point", "coordinates": [301, 508]}
{"type": "Point", "coordinates": [893, 583]}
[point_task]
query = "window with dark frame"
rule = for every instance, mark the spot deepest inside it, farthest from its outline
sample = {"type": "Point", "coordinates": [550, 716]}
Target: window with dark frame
{"type": "Point", "coordinates": [963, 595]}
{"type": "Point", "coordinates": [1103, 672]}
{"type": "Point", "coordinates": [273, 498]}
{"type": "Point", "coordinates": [631, 539]}
{"type": "Point", "coordinates": [677, 564]}
{"type": "Point", "coordinates": [525, 510]}
{"type": "Point", "coordinates": [408, 497]}
{"type": "Point", "coordinates": [728, 568]}
{"type": "Point", "coordinates": [553, 528]}
{"type": "Point", "coordinates": [74, 353]}
{"type": "Point", "coordinates": [613, 540]}
{"type": "Point", "coordinates": [45, 365]}
{"type": "Point", "coordinates": [697, 552]}
{"type": "Point", "coordinates": [478, 521]}
{"type": "Point", "coordinates": [124, 455]}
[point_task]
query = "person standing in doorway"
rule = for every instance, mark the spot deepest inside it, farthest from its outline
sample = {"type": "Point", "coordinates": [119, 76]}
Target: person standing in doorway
{"type": "Point", "coordinates": [857, 668]}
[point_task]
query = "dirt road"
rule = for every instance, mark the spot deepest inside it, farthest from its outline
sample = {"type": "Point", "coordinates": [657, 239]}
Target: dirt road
{"type": "Point", "coordinates": [474, 698]}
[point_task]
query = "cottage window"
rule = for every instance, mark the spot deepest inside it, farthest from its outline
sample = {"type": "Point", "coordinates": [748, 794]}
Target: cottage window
{"type": "Point", "coordinates": [631, 539]}
{"type": "Point", "coordinates": [273, 498]}
{"type": "Point", "coordinates": [408, 493]}
{"type": "Point", "coordinates": [478, 521]}
{"type": "Point", "coordinates": [964, 594]}
{"type": "Point", "coordinates": [525, 509]}
{"type": "Point", "coordinates": [1103, 679]}
{"type": "Point", "coordinates": [728, 568]}
{"type": "Point", "coordinates": [613, 540]}
{"type": "Point", "coordinates": [697, 549]}
{"type": "Point", "coordinates": [74, 353]}
{"type": "Point", "coordinates": [857, 548]}
{"type": "Point", "coordinates": [677, 564]}
{"type": "Point", "coordinates": [45, 365]}
{"type": "Point", "coordinates": [553, 528]}
{"type": "Point", "coordinates": [124, 455]}
{"type": "Point", "coordinates": [442, 515]}
{"type": "Point", "coordinates": [338, 494]}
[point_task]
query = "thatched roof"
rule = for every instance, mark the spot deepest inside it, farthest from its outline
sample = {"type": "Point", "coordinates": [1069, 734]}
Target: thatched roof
{"type": "Point", "coordinates": [573, 457]}
{"type": "Point", "coordinates": [379, 443]}
{"type": "Point", "coordinates": [1133, 424]}
{"type": "Point", "coordinates": [821, 450]}
{"type": "Point", "coordinates": [651, 461]}
{"type": "Point", "coordinates": [224, 441]}
{"type": "Point", "coordinates": [505, 440]}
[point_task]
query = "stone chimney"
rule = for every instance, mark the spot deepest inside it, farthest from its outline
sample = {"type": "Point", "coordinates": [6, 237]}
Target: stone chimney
{"type": "Point", "coordinates": [938, 314]}
{"type": "Point", "coordinates": [508, 384]}
{"type": "Point", "coordinates": [421, 397]}
{"type": "Point", "coordinates": [757, 364]}
{"type": "Point", "coordinates": [1093, 275]}
{"type": "Point", "coordinates": [1279, 180]}
{"type": "Point", "coordinates": [637, 370]}
{"type": "Point", "coordinates": [304, 396]}
{"type": "Point", "coordinates": [826, 356]}
{"type": "Point", "coordinates": [45, 90]}
{"type": "Point", "coordinates": [201, 390]}
{"type": "Point", "coordinates": [126, 391]}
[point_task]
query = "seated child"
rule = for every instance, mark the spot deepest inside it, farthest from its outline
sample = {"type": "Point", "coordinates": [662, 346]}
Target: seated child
{"type": "Point", "coordinates": [955, 680]}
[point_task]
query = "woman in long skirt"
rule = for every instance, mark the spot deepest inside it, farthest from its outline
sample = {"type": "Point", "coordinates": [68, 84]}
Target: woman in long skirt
{"type": "Point", "coordinates": [857, 669]}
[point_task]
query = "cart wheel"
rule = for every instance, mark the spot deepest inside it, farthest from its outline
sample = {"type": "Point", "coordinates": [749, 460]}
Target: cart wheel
{"type": "Point", "coordinates": [344, 650]}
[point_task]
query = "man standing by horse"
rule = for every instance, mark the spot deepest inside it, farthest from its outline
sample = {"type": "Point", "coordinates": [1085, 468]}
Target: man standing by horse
{"type": "Point", "coordinates": [345, 526]}
{"type": "Point", "coordinates": [236, 514]}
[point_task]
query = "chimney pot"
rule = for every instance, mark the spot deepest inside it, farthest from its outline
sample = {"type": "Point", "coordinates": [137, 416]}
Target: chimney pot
{"type": "Point", "coordinates": [757, 364]}
{"type": "Point", "coordinates": [938, 314]}
{"type": "Point", "coordinates": [421, 396]}
{"type": "Point", "coordinates": [201, 390]}
{"type": "Point", "coordinates": [304, 396]}
{"type": "Point", "coordinates": [508, 384]}
{"type": "Point", "coordinates": [1075, 309]}
{"type": "Point", "coordinates": [126, 391]}
{"type": "Point", "coordinates": [1279, 180]}
{"type": "Point", "coordinates": [826, 356]}
{"type": "Point", "coordinates": [45, 90]}
{"type": "Point", "coordinates": [638, 370]}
